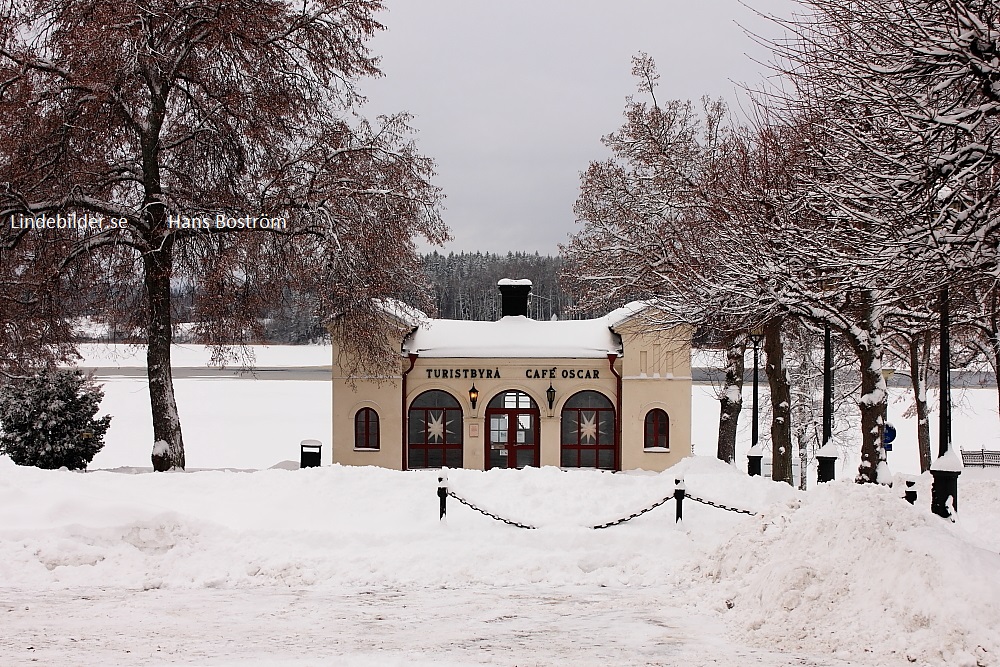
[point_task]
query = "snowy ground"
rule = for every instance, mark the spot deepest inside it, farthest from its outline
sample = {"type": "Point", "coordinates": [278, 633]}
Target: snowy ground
{"type": "Point", "coordinates": [350, 566]}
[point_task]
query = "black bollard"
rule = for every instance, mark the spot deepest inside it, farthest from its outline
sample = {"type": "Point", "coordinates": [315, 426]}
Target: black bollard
{"type": "Point", "coordinates": [753, 464]}
{"type": "Point", "coordinates": [679, 497]}
{"type": "Point", "coordinates": [944, 488]}
{"type": "Point", "coordinates": [827, 469]}
{"type": "Point", "coordinates": [443, 494]}
{"type": "Point", "coordinates": [826, 458]}
{"type": "Point", "coordinates": [911, 492]}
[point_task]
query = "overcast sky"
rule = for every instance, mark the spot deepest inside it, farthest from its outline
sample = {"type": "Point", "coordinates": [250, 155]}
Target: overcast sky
{"type": "Point", "coordinates": [512, 97]}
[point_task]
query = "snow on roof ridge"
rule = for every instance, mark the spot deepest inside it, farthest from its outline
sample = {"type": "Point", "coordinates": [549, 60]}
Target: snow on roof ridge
{"type": "Point", "coordinates": [514, 336]}
{"type": "Point", "coordinates": [514, 281]}
{"type": "Point", "coordinates": [629, 310]}
{"type": "Point", "coordinates": [405, 313]}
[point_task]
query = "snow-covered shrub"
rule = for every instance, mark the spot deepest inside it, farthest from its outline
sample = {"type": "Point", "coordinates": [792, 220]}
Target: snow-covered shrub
{"type": "Point", "coordinates": [48, 421]}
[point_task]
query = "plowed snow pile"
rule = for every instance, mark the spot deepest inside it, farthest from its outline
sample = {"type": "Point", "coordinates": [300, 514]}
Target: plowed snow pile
{"type": "Point", "coordinates": [854, 571]}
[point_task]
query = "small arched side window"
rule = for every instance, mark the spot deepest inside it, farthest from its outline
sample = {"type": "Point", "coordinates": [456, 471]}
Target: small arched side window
{"type": "Point", "coordinates": [656, 431]}
{"type": "Point", "coordinates": [366, 429]}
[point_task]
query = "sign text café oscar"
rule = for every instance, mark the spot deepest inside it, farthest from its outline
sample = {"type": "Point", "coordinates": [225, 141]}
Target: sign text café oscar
{"type": "Point", "coordinates": [607, 393]}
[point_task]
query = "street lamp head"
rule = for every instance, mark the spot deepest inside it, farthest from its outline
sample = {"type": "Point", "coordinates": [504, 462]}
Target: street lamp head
{"type": "Point", "coordinates": [756, 335]}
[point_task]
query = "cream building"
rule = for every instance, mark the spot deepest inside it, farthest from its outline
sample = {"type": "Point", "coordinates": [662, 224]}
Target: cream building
{"type": "Point", "coordinates": [609, 393]}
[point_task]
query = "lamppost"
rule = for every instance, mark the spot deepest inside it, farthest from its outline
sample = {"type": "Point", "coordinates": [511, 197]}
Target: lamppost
{"type": "Point", "coordinates": [826, 455]}
{"type": "Point", "coordinates": [882, 475]}
{"type": "Point", "coordinates": [948, 466]}
{"type": "Point", "coordinates": [756, 452]}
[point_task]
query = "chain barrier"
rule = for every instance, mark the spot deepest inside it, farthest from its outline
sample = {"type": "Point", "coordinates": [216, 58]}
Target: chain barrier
{"type": "Point", "coordinates": [618, 522]}
{"type": "Point", "coordinates": [489, 514]}
{"type": "Point", "coordinates": [721, 506]}
{"type": "Point", "coordinates": [678, 494]}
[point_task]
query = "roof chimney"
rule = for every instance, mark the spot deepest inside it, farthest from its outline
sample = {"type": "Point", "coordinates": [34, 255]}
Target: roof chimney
{"type": "Point", "coordinates": [514, 297]}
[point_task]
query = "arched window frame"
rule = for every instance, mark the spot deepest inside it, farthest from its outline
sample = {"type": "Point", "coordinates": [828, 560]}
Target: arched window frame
{"type": "Point", "coordinates": [367, 430]}
{"type": "Point", "coordinates": [575, 452]}
{"type": "Point", "coordinates": [434, 405]}
{"type": "Point", "coordinates": [656, 430]}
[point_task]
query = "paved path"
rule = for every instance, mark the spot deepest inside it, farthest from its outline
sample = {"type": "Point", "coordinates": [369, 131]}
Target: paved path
{"type": "Point", "coordinates": [541, 625]}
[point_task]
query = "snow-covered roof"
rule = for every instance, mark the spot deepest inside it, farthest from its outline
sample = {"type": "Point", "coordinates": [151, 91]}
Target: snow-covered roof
{"type": "Point", "coordinates": [516, 336]}
{"type": "Point", "coordinates": [513, 281]}
{"type": "Point", "coordinates": [520, 336]}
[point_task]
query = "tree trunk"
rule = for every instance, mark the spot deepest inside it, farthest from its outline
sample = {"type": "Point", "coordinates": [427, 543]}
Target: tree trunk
{"type": "Point", "coordinates": [920, 346]}
{"type": "Point", "coordinates": [781, 403]}
{"type": "Point", "coordinates": [867, 343]}
{"type": "Point", "coordinates": [168, 450]}
{"type": "Point", "coordinates": [731, 400]}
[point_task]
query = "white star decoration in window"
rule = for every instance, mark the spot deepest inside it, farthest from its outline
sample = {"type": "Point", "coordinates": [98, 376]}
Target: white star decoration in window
{"type": "Point", "coordinates": [588, 427]}
{"type": "Point", "coordinates": [437, 427]}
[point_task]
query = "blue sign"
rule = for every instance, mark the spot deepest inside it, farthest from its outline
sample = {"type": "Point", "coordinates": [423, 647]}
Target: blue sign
{"type": "Point", "coordinates": [888, 435]}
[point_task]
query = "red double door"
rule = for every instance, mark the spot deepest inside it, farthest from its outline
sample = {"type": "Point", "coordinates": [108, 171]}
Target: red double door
{"type": "Point", "coordinates": [512, 442]}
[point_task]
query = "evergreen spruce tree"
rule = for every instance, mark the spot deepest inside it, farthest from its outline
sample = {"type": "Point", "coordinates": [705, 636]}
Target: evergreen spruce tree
{"type": "Point", "coordinates": [48, 421]}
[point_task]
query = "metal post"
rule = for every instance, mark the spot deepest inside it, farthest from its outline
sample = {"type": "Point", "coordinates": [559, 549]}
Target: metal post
{"type": "Point", "coordinates": [756, 385]}
{"type": "Point", "coordinates": [755, 454]}
{"type": "Point", "coordinates": [679, 497]}
{"type": "Point", "coordinates": [826, 455]}
{"type": "Point", "coordinates": [945, 379]}
{"type": "Point", "coordinates": [443, 494]}
{"type": "Point", "coordinates": [946, 469]}
{"type": "Point", "coordinates": [827, 385]}
{"type": "Point", "coordinates": [884, 440]}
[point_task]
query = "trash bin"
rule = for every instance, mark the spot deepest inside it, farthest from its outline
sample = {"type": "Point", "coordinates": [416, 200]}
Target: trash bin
{"type": "Point", "coordinates": [310, 453]}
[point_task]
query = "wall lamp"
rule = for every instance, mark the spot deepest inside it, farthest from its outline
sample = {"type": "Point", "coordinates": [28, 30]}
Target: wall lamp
{"type": "Point", "coordinates": [473, 395]}
{"type": "Point", "coordinates": [550, 394]}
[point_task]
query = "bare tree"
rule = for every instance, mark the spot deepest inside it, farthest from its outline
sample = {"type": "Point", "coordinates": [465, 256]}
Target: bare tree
{"type": "Point", "coordinates": [155, 117]}
{"type": "Point", "coordinates": [649, 214]}
{"type": "Point", "coordinates": [34, 331]}
{"type": "Point", "coordinates": [905, 103]}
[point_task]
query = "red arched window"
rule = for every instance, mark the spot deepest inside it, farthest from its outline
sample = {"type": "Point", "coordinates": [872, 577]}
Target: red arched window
{"type": "Point", "coordinates": [366, 429]}
{"type": "Point", "coordinates": [656, 431]}
{"type": "Point", "coordinates": [435, 431]}
{"type": "Point", "coordinates": [588, 432]}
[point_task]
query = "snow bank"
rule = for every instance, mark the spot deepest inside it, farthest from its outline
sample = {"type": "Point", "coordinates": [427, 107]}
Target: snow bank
{"type": "Point", "coordinates": [337, 526]}
{"type": "Point", "coordinates": [856, 571]}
